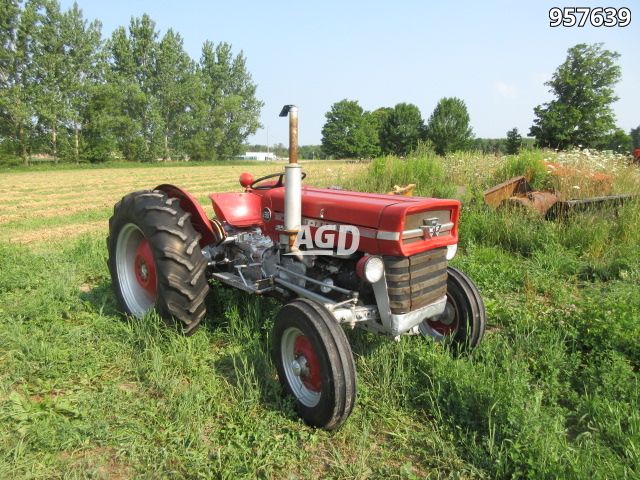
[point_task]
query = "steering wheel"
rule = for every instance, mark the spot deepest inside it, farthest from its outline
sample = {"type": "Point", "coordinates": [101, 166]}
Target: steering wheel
{"type": "Point", "coordinates": [269, 186]}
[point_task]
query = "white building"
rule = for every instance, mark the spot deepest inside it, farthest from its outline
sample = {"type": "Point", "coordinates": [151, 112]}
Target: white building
{"type": "Point", "coordinates": [262, 156]}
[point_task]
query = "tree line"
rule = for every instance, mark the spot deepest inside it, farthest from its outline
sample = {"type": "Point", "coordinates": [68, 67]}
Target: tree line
{"type": "Point", "coordinates": [579, 116]}
{"type": "Point", "coordinates": [352, 132]}
{"type": "Point", "coordinates": [68, 93]}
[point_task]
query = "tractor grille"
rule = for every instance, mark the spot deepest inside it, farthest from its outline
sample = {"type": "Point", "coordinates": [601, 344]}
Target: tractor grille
{"type": "Point", "coordinates": [416, 281]}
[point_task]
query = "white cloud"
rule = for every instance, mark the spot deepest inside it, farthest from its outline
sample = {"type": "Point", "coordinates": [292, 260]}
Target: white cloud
{"type": "Point", "coordinates": [506, 90]}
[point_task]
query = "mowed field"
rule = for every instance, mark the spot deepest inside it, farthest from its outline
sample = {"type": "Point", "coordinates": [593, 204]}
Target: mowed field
{"type": "Point", "coordinates": [50, 206]}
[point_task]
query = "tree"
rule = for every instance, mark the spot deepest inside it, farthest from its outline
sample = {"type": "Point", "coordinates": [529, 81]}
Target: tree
{"type": "Point", "coordinates": [617, 141]}
{"type": "Point", "coordinates": [378, 118]}
{"type": "Point", "coordinates": [131, 56]}
{"type": "Point", "coordinates": [403, 127]}
{"type": "Point", "coordinates": [176, 88]}
{"type": "Point", "coordinates": [17, 88]}
{"type": "Point", "coordinates": [311, 152]}
{"type": "Point", "coordinates": [635, 136]}
{"type": "Point", "coordinates": [228, 110]}
{"type": "Point", "coordinates": [581, 113]}
{"type": "Point", "coordinates": [63, 91]}
{"type": "Point", "coordinates": [49, 72]}
{"type": "Point", "coordinates": [83, 68]}
{"type": "Point", "coordinates": [448, 127]}
{"type": "Point", "coordinates": [514, 142]}
{"type": "Point", "coordinates": [349, 131]}
{"type": "Point", "coordinates": [368, 136]}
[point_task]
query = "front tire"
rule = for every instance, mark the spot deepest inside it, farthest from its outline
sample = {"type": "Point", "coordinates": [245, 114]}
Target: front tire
{"type": "Point", "coordinates": [463, 321]}
{"type": "Point", "coordinates": [155, 259]}
{"type": "Point", "coordinates": [315, 364]}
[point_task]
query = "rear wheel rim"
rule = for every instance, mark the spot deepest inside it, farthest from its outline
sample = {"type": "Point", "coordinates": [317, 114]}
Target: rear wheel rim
{"type": "Point", "coordinates": [301, 366]}
{"type": "Point", "coordinates": [136, 270]}
{"type": "Point", "coordinates": [444, 325]}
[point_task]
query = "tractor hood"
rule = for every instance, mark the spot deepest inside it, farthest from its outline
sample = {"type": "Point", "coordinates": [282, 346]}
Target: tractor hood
{"type": "Point", "coordinates": [355, 208]}
{"type": "Point", "coordinates": [341, 206]}
{"type": "Point", "coordinates": [390, 224]}
{"type": "Point", "coordinates": [387, 224]}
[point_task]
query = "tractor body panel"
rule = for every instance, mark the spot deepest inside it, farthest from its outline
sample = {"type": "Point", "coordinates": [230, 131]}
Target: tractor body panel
{"type": "Point", "coordinates": [238, 209]}
{"type": "Point", "coordinates": [383, 221]}
{"type": "Point", "coordinates": [339, 206]}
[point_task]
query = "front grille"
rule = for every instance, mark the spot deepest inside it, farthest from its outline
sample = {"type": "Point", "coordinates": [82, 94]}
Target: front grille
{"type": "Point", "coordinates": [415, 222]}
{"type": "Point", "coordinates": [416, 281]}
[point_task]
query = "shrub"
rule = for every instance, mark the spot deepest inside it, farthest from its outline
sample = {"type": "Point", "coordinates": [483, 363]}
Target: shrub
{"type": "Point", "coordinates": [528, 163]}
{"type": "Point", "coordinates": [424, 169]}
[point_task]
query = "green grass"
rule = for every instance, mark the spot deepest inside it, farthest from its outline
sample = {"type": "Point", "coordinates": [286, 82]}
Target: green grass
{"type": "Point", "coordinates": [552, 392]}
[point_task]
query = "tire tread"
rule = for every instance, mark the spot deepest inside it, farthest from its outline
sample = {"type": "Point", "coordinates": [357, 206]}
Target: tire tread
{"type": "Point", "coordinates": [182, 283]}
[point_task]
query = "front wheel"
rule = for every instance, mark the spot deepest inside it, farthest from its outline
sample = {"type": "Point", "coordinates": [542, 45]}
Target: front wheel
{"type": "Point", "coordinates": [463, 320]}
{"type": "Point", "coordinates": [314, 363]}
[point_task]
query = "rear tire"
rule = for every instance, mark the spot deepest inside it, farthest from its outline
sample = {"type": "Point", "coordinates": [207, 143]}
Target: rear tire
{"type": "Point", "coordinates": [315, 364]}
{"type": "Point", "coordinates": [155, 259]}
{"type": "Point", "coordinates": [463, 321]}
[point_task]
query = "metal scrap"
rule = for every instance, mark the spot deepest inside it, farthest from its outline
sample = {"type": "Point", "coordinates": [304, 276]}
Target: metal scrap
{"type": "Point", "coordinates": [517, 193]}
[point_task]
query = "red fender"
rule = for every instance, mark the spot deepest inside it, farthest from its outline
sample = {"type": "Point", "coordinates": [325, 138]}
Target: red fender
{"type": "Point", "coordinates": [199, 218]}
{"type": "Point", "coordinates": [238, 209]}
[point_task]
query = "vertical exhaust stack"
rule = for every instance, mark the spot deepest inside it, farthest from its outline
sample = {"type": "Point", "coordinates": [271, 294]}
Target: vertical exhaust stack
{"type": "Point", "coordinates": [292, 181]}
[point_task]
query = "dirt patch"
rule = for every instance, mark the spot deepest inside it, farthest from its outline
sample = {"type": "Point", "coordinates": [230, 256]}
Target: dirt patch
{"type": "Point", "coordinates": [99, 462]}
{"type": "Point", "coordinates": [42, 396]}
{"type": "Point", "coordinates": [128, 387]}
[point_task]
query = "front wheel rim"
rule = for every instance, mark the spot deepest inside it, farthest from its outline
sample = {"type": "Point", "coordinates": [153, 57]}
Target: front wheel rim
{"type": "Point", "coordinates": [301, 366]}
{"type": "Point", "coordinates": [443, 325]}
{"type": "Point", "coordinates": [136, 269]}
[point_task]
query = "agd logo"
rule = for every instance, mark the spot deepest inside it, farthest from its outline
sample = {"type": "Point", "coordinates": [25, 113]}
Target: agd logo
{"type": "Point", "coordinates": [324, 240]}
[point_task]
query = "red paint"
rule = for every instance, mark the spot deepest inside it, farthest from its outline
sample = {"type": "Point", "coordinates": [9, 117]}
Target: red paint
{"type": "Point", "coordinates": [393, 217]}
{"type": "Point", "coordinates": [303, 348]}
{"type": "Point", "coordinates": [373, 212]}
{"type": "Point", "coordinates": [443, 328]}
{"type": "Point", "coordinates": [238, 209]}
{"type": "Point", "coordinates": [370, 212]}
{"type": "Point", "coordinates": [246, 179]}
{"type": "Point", "coordinates": [360, 266]}
{"type": "Point", "coordinates": [342, 206]}
{"type": "Point", "coordinates": [145, 267]}
{"type": "Point", "coordinates": [199, 218]}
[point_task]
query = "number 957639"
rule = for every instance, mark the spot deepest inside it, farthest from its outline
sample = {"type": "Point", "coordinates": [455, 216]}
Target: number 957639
{"type": "Point", "coordinates": [596, 17]}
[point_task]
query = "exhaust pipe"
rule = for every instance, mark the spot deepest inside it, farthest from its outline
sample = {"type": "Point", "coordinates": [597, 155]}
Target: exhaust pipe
{"type": "Point", "coordinates": [293, 181]}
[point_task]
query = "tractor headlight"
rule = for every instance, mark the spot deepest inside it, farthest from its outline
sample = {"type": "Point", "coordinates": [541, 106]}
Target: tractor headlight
{"type": "Point", "coordinates": [451, 251]}
{"type": "Point", "coordinates": [371, 268]}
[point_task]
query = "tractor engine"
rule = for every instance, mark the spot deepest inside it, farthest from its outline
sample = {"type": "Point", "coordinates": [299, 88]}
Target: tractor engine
{"type": "Point", "coordinates": [263, 259]}
{"type": "Point", "coordinates": [376, 260]}
{"type": "Point", "coordinates": [253, 249]}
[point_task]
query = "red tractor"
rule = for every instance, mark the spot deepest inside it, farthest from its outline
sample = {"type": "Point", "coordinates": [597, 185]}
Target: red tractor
{"type": "Point", "coordinates": [335, 258]}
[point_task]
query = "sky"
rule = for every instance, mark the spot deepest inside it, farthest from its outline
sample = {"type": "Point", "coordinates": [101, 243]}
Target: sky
{"type": "Point", "coordinates": [494, 54]}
